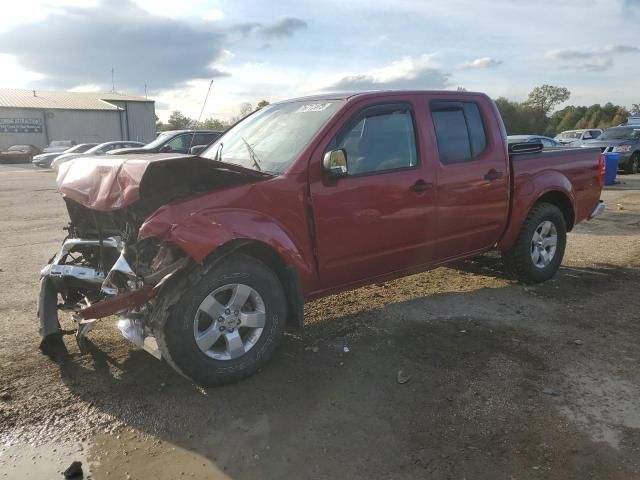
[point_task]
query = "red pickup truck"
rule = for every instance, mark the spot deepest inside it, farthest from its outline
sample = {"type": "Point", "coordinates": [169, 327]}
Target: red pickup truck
{"type": "Point", "coordinates": [207, 257]}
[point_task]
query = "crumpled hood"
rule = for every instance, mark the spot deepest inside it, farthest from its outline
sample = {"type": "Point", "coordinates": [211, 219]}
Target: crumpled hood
{"type": "Point", "coordinates": [108, 183]}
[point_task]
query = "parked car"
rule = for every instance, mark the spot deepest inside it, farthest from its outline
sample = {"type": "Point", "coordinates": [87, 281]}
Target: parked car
{"type": "Point", "coordinates": [207, 257]}
{"type": "Point", "coordinates": [174, 141]}
{"type": "Point", "coordinates": [577, 137]}
{"type": "Point", "coordinates": [547, 142]}
{"type": "Point", "coordinates": [44, 159]}
{"type": "Point", "coordinates": [58, 146]}
{"type": "Point", "coordinates": [622, 140]}
{"type": "Point", "coordinates": [97, 150]}
{"type": "Point", "coordinates": [18, 154]}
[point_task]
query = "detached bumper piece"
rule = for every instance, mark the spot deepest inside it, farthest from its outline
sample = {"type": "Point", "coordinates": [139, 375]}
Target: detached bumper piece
{"type": "Point", "coordinates": [597, 210]}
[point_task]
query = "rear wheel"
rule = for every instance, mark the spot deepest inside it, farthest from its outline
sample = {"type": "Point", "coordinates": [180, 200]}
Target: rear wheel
{"type": "Point", "coordinates": [227, 323]}
{"type": "Point", "coordinates": [537, 253]}
{"type": "Point", "coordinates": [634, 164]}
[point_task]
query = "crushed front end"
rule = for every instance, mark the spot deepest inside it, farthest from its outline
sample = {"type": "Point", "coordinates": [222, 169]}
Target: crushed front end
{"type": "Point", "coordinates": [105, 266]}
{"type": "Point", "coordinates": [102, 270]}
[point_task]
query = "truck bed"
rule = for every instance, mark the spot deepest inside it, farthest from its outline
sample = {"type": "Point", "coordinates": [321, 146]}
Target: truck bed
{"type": "Point", "coordinates": [573, 170]}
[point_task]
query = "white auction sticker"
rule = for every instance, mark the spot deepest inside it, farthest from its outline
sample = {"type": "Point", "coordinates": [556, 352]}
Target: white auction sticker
{"type": "Point", "coordinates": [313, 107]}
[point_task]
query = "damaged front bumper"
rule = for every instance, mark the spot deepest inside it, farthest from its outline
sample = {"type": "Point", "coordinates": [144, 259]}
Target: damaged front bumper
{"type": "Point", "coordinates": [91, 294]}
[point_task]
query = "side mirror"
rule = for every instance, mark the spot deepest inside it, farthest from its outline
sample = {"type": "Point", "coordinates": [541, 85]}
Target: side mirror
{"type": "Point", "coordinates": [197, 150]}
{"type": "Point", "coordinates": [166, 148]}
{"type": "Point", "coordinates": [334, 163]}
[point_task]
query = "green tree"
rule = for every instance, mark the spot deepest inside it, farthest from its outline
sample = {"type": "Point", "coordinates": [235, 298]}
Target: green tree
{"type": "Point", "coordinates": [179, 121]}
{"type": "Point", "coordinates": [547, 97]}
{"type": "Point", "coordinates": [521, 118]}
{"type": "Point", "coordinates": [159, 125]}
{"type": "Point", "coordinates": [213, 124]}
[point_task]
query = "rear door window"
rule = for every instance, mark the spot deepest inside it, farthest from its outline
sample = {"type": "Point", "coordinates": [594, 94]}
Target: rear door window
{"type": "Point", "coordinates": [203, 138]}
{"type": "Point", "coordinates": [460, 131]}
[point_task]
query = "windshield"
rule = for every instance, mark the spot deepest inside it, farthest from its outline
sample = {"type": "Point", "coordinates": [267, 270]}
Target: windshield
{"type": "Point", "coordinates": [159, 140]}
{"type": "Point", "coordinates": [620, 134]}
{"type": "Point", "coordinates": [270, 139]}
{"type": "Point", "coordinates": [569, 136]}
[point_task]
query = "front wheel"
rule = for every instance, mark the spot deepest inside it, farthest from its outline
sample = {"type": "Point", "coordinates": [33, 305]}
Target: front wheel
{"type": "Point", "coordinates": [537, 253]}
{"type": "Point", "coordinates": [226, 324]}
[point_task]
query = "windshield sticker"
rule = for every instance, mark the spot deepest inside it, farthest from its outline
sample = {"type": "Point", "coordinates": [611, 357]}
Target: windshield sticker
{"type": "Point", "coordinates": [313, 107]}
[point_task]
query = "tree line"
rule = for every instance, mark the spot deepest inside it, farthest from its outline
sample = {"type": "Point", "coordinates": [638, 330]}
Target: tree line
{"type": "Point", "coordinates": [535, 116]}
{"type": "Point", "coordinates": [178, 121]}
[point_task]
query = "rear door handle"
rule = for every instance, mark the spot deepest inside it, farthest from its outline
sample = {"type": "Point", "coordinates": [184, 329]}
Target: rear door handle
{"type": "Point", "coordinates": [421, 186]}
{"type": "Point", "coordinates": [492, 175]}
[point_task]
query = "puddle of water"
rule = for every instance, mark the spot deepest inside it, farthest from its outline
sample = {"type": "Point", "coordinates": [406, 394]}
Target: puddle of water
{"type": "Point", "coordinates": [128, 455]}
{"type": "Point", "coordinates": [47, 461]}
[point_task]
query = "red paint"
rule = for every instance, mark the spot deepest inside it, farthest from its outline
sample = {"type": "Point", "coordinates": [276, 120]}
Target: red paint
{"type": "Point", "coordinates": [356, 230]}
{"type": "Point", "coordinates": [118, 303]}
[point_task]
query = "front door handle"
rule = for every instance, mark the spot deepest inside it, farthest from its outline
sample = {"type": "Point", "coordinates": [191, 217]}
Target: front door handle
{"type": "Point", "coordinates": [421, 186]}
{"type": "Point", "coordinates": [492, 175]}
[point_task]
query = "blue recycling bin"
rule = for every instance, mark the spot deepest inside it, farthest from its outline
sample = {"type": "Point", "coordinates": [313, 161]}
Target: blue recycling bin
{"type": "Point", "coordinates": [610, 167]}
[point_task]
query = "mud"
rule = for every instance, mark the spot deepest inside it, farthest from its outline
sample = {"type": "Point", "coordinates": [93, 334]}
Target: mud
{"type": "Point", "coordinates": [499, 387]}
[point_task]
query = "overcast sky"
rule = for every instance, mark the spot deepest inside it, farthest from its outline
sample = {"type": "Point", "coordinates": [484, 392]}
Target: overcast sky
{"type": "Point", "coordinates": [273, 50]}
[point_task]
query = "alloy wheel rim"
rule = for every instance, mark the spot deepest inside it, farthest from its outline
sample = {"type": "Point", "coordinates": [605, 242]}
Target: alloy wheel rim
{"type": "Point", "coordinates": [229, 321]}
{"type": "Point", "coordinates": [544, 244]}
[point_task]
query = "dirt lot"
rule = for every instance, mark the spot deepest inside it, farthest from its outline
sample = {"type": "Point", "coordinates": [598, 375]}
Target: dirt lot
{"type": "Point", "coordinates": [506, 382]}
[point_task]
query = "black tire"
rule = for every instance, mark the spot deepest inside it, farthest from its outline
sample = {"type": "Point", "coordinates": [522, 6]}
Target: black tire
{"type": "Point", "coordinates": [634, 164]}
{"type": "Point", "coordinates": [518, 261]}
{"type": "Point", "coordinates": [176, 338]}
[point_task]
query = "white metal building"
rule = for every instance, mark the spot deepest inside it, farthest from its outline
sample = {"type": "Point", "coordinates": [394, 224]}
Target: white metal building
{"type": "Point", "coordinates": [35, 117]}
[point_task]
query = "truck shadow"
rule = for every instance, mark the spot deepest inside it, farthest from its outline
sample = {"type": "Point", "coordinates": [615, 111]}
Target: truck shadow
{"type": "Point", "coordinates": [476, 362]}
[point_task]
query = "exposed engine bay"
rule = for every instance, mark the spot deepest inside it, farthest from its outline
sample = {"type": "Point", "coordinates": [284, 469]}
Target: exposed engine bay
{"type": "Point", "coordinates": [102, 268]}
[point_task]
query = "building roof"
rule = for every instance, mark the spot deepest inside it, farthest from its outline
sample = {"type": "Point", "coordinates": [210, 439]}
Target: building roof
{"type": "Point", "coordinates": [18, 98]}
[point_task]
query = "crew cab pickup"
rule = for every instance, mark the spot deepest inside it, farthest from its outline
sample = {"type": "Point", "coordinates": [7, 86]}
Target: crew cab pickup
{"type": "Point", "coordinates": [206, 258]}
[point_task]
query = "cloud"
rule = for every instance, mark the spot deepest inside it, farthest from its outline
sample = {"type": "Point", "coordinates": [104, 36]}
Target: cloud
{"type": "Point", "coordinates": [588, 59]}
{"type": "Point", "coordinates": [417, 72]}
{"type": "Point", "coordinates": [78, 46]}
{"type": "Point", "coordinates": [283, 27]}
{"type": "Point", "coordinates": [483, 62]}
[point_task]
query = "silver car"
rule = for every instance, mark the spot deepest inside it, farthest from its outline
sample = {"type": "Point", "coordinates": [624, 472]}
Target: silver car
{"type": "Point", "coordinates": [98, 150]}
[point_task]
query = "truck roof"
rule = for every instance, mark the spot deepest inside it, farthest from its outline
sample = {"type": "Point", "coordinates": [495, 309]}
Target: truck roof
{"type": "Point", "coordinates": [372, 93]}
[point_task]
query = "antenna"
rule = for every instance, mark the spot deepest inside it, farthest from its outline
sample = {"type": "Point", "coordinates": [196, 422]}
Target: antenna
{"type": "Point", "coordinates": [145, 91]}
{"type": "Point", "coordinates": [113, 80]}
{"type": "Point", "coordinates": [200, 116]}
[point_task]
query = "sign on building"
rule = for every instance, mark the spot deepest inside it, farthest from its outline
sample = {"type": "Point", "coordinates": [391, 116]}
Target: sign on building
{"type": "Point", "coordinates": [20, 125]}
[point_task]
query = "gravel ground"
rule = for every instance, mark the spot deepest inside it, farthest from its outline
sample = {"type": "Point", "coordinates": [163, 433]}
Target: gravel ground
{"type": "Point", "coordinates": [504, 381]}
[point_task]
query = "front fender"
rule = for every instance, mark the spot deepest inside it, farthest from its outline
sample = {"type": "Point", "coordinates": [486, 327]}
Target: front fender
{"type": "Point", "coordinates": [199, 233]}
{"type": "Point", "coordinates": [528, 190]}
